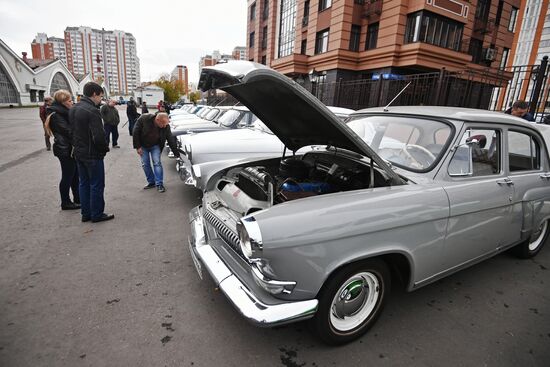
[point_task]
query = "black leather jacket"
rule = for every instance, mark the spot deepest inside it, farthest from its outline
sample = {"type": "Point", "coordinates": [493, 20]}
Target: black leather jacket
{"type": "Point", "coordinates": [147, 122]}
{"type": "Point", "coordinates": [61, 129]}
{"type": "Point", "coordinates": [89, 139]}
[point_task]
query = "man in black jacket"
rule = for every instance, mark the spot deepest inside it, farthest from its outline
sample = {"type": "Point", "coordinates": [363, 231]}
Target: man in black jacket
{"type": "Point", "coordinates": [90, 147]}
{"type": "Point", "coordinates": [150, 135]}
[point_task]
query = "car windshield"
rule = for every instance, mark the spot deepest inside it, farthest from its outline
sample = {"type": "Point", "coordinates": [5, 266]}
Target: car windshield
{"type": "Point", "coordinates": [230, 118]}
{"type": "Point", "coordinates": [258, 125]}
{"type": "Point", "coordinates": [412, 143]}
{"type": "Point", "coordinates": [210, 115]}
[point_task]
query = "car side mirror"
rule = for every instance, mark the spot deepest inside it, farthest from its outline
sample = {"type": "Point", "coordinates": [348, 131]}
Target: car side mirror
{"type": "Point", "coordinates": [461, 165]}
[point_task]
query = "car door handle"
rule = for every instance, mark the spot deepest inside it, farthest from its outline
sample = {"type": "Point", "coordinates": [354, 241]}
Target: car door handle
{"type": "Point", "coordinates": [505, 181]}
{"type": "Point", "coordinates": [545, 175]}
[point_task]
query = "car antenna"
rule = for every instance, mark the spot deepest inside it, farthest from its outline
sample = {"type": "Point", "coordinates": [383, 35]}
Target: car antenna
{"type": "Point", "coordinates": [394, 98]}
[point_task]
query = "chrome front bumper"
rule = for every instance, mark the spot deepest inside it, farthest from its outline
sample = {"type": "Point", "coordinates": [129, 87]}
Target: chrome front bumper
{"type": "Point", "coordinates": [244, 300]}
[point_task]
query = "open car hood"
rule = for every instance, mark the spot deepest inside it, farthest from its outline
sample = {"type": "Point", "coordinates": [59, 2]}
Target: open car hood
{"type": "Point", "coordinates": [291, 112]}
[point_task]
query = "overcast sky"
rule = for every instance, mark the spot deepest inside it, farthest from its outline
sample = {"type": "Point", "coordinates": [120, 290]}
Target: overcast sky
{"type": "Point", "coordinates": [168, 33]}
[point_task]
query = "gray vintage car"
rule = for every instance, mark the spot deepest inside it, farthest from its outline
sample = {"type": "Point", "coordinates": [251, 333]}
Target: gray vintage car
{"type": "Point", "coordinates": [415, 194]}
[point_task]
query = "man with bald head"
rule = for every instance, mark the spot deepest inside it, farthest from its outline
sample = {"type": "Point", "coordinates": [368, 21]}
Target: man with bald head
{"type": "Point", "coordinates": [150, 135]}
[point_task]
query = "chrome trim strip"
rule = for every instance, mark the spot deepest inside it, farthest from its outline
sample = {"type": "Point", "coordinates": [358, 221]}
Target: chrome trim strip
{"type": "Point", "coordinates": [243, 298]}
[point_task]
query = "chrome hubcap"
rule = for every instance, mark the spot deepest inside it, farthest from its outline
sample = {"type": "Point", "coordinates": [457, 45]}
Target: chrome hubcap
{"type": "Point", "coordinates": [354, 301]}
{"type": "Point", "coordinates": [536, 242]}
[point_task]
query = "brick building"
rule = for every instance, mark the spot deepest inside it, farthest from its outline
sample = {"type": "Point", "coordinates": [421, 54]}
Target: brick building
{"type": "Point", "coordinates": [359, 39]}
{"type": "Point", "coordinates": [180, 74]}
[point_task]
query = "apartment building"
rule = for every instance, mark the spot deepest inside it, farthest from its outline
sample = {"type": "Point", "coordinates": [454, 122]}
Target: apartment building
{"type": "Point", "coordinates": [109, 57]}
{"type": "Point", "coordinates": [531, 44]}
{"type": "Point", "coordinates": [239, 53]}
{"type": "Point", "coordinates": [360, 39]}
{"type": "Point", "coordinates": [180, 74]}
{"type": "Point", "coordinates": [48, 48]}
{"type": "Point", "coordinates": [216, 57]}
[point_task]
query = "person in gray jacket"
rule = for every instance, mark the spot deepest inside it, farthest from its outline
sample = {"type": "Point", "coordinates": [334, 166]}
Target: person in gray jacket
{"type": "Point", "coordinates": [111, 119]}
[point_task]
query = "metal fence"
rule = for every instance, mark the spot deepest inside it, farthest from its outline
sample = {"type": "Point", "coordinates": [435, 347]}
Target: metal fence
{"type": "Point", "coordinates": [485, 89]}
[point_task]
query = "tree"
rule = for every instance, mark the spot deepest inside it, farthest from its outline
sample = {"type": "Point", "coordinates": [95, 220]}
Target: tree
{"type": "Point", "coordinates": [194, 96]}
{"type": "Point", "coordinates": [171, 94]}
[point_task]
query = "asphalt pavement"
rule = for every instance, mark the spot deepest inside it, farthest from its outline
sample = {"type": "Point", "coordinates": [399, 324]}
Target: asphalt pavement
{"type": "Point", "coordinates": [125, 292]}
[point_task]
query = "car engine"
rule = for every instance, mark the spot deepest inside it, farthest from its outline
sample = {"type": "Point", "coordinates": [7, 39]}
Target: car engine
{"type": "Point", "coordinates": [255, 188]}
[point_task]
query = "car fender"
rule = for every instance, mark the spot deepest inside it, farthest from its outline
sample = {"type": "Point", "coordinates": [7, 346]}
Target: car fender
{"type": "Point", "coordinates": [302, 239]}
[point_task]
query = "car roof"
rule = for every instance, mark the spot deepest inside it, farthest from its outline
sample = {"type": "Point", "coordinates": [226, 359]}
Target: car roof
{"type": "Point", "coordinates": [453, 113]}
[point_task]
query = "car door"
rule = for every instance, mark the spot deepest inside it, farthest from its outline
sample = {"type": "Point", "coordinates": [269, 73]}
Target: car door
{"type": "Point", "coordinates": [529, 173]}
{"type": "Point", "coordinates": [480, 197]}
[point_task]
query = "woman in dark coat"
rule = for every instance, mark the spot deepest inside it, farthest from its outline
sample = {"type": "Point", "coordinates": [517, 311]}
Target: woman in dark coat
{"type": "Point", "coordinates": [58, 124]}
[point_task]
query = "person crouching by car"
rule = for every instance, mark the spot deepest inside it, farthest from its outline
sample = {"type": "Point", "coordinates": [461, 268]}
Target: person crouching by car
{"type": "Point", "coordinates": [57, 124]}
{"type": "Point", "coordinates": [150, 136]}
{"type": "Point", "coordinates": [111, 119]}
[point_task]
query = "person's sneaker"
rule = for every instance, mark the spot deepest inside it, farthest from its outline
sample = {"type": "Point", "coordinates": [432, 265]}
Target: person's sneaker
{"type": "Point", "coordinates": [103, 217]}
{"type": "Point", "coordinates": [116, 146]}
{"type": "Point", "coordinates": [149, 186]}
{"type": "Point", "coordinates": [85, 219]}
{"type": "Point", "coordinates": [161, 188]}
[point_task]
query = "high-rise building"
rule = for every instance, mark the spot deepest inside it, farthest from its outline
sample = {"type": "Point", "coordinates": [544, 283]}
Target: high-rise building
{"type": "Point", "coordinates": [108, 56]}
{"type": "Point", "coordinates": [531, 44]}
{"type": "Point", "coordinates": [239, 53]}
{"type": "Point", "coordinates": [354, 39]}
{"type": "Point", "coordinates": [180, 75]}
{"type": "Point", "coordinates": [48, 48]}
{"type": "Point", "coordinates": [216, 57]}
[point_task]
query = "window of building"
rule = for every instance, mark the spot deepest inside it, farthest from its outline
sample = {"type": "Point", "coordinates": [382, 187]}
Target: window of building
{"type": "Point", "coordinates": [287, 27]}
{"type": "Point", "coordinates": [265, 13]}
{"type": "Point", "coordinates": [264, 38]}
{"type": "Point", "coordinates": [321, 41]}
{"type": "Point", "coordinates": [354, 37]}
{"type": "Point", "coordinates": [305, 19]}
{"type": "Point", "coordinates": [251, 39]}
{"type": "Point", "coordinates": [482, 9]}
{"type": "Point", "coordinates": [303, 47]}
{"type": "Point", "coordinates": [434, 29]}
{"type": "Point", "coordinates": [253, 11]}
{"type": "Point", "coordinates": [523, 152]}
{"type": "Point", "coordinates": [324, 4]}
{"type": "Point", "coordinates": [513, 19]}
{"type": "Point", "coordinates": [499, 12]}
{"type": "Point", "coordinates": [475, 49]}
{"type": "Point", "coordinates": [504, 59]}
{"type": "Point", "coordinates": [264, 59]}
{"type": "Point", "coordinates": [372, 36]}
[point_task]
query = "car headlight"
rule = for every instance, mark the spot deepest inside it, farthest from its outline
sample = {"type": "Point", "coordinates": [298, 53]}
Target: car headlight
{"type": "Point", "coordinates": [250, 237]}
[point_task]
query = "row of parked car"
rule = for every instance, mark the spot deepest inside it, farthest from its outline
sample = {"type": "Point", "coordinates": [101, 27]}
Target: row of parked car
{"type": "Point", "coordinates": [313, 212]}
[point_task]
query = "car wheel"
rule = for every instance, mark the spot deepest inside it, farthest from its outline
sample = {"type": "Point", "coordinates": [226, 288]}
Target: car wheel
{"type": "Point", "coordinates": [351, 301]}
{"type": "Point", "coordinates": [533, 245]}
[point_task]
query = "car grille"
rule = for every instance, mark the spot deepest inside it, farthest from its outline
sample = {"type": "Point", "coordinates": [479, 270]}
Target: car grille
{"type": "Point", "coordinates": [226, 234]}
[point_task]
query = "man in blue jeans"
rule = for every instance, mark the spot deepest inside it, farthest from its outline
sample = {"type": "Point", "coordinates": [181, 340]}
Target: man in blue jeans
{"type": "Point", "coordinates": [90, 147]}
{"type": "Point", "coordinates": [150, 136]}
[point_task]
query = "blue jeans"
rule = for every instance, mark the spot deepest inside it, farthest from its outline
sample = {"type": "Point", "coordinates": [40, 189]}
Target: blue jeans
{"type": "Point", "coordinates": [69, 180]}
{"type": "Point", "coordinates": [154, 176]}
{"type": "Point", "coordinates": [92, 185]}
{"type": "Point", "coordinates": [111, 129]}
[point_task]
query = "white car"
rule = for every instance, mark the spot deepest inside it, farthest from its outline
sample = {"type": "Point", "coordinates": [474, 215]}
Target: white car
{"type": "Point", "coordinates": [213, 149]}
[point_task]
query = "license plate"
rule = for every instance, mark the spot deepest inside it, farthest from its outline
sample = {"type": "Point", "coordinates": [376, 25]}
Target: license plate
{"type": "Point", "coordinates": [196, 261]}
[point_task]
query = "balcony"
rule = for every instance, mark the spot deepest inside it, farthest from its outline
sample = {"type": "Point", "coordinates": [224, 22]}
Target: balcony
{"type": "Point", "coordinates": [372, 8]}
